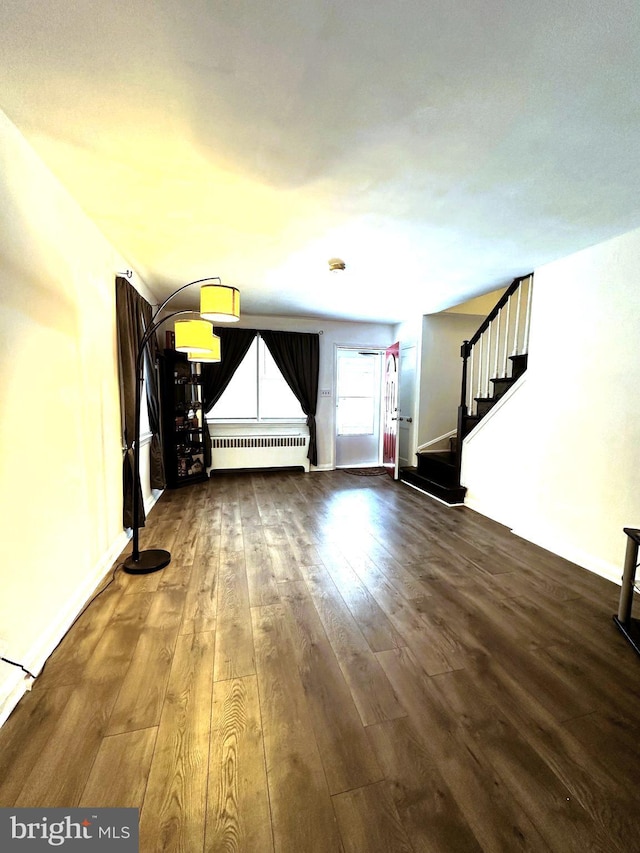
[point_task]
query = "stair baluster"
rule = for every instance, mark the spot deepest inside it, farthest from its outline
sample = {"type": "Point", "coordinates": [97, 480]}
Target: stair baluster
{"type": "Point", "coordinates": [527, 319]}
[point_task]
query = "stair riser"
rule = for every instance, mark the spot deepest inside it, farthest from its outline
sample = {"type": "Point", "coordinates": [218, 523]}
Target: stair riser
{"type": "Point", "coordinates": [438, 470]}
{"type": "Point", "coordinates": [518, 365]}
{"type": "Point", "coordinates": [501, 386]}
{"type": "Point", "coordinates": [450, 495]}
{"type": "Point", "coordinates": [484, 406]}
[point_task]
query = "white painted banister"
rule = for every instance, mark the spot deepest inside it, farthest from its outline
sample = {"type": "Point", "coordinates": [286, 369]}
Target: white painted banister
{"type": "Point", "coordinates": [497, 344]}
{"type": "Point", "coordinates": [506, 340]}
{"type": "Point", "coordinates": [486, 384]}
{"type": "Point", "coordinates": [516, 325]}
{"type": "Point", "coordinates": [527, 319]}
{"type": "Point", "coordinates": [489, 348]}
{"type": "Point", "coordinates": [480, 360]}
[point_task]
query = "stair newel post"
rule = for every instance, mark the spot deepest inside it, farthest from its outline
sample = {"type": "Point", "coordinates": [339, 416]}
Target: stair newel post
{"type": "Point", "coordinates": [470, 382]}
{"type": "Point", "coordinates": [465, 352]}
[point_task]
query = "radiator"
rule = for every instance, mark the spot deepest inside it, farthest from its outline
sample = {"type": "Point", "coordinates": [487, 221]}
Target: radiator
{"type": "Point", "coordinates": [259, 451]}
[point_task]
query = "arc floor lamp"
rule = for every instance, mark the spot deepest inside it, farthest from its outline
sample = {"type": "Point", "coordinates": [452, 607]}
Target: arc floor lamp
{"type": "Point", "coordinates": [218, 303]}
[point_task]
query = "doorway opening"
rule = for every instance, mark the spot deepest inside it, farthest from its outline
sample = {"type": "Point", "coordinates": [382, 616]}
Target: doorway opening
{"type": "Point", "coordinates": [358, 407]}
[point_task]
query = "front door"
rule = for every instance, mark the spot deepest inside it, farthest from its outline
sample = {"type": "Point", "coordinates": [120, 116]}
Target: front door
{"type": "Point", "coordinates": [390, 429]}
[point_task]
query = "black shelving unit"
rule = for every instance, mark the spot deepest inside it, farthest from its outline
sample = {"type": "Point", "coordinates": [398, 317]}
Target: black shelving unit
{"type": "Point", "coordinates": [629, 626]}
{"type": "Point", "coordinates": [182, 420]}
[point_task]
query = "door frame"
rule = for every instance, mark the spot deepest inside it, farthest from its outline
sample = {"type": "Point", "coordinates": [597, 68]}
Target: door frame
{"type": "Point", "coordinates": [357, 348]}
{"type": "Point", "coordinates": [390, 416]}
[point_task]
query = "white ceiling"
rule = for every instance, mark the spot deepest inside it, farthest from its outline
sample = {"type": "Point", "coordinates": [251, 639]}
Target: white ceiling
{"type": "Point", "coordinates": [439, 147]}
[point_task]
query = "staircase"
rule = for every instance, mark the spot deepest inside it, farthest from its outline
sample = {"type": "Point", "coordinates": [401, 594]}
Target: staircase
{"type": "Point", "coordinates": [499, 385]}
{"type": "Point", "coordinates": [437, 474]}
{"type": "Point", "coordinates": [493, 360]}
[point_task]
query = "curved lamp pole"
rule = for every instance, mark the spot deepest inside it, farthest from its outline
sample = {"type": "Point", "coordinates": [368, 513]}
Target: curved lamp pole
{"type": "Point", "coordinates": [151, 560]}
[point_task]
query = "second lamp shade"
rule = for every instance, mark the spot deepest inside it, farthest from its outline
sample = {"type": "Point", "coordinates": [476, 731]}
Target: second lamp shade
{"type": "Point", "coordinates": [194, 336]}
{"type": "Point", "coordinates": [212, 356]}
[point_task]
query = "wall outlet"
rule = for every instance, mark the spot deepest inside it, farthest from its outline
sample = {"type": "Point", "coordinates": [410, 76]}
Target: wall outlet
{"type": "Point", "coordinates": [325, 392]}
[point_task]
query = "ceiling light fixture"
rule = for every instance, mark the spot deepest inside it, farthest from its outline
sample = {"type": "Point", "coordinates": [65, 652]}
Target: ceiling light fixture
{"type": "Point", "coordinates": [336, 264]}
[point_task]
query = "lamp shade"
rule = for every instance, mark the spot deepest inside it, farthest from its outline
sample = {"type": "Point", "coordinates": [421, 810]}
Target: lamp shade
{"type": "Point", "coordinates": [212, 356]}
{"type": "Point", "coordinates": [219, 303]}
{"type": "Point", "coordinates": [193, 336]}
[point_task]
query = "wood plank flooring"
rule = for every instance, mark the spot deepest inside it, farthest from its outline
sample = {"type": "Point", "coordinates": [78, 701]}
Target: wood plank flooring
{"type": "Point", "coordinates": [339, 663]}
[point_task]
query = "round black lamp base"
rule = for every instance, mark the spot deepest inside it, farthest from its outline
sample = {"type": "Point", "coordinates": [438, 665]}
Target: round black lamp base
{"type": "Point", "coordinates": [149, 561]}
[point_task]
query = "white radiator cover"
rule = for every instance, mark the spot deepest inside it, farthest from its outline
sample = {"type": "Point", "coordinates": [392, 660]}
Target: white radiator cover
{"type": "Point", "coordinates": [259, 451]}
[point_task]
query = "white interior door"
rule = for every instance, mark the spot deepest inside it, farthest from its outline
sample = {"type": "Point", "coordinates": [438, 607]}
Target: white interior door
{"type": "Point", "coordinates": [406, 406]}
{"type": "Point", "coordinates": [358, 407]}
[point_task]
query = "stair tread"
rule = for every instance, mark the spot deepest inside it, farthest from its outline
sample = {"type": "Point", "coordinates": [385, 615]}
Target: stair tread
{"type": "Point", "coordinates": [446, 456]}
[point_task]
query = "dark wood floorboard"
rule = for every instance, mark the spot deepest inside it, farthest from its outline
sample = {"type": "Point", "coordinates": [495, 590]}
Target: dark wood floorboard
{"type": "Point", "coordinates": [338, 663]}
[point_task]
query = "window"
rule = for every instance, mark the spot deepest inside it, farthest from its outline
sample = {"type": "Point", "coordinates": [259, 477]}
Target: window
{"type": "Point", "coordinates": [358, 392]}
{"type": "Point", "coordinates": [145, 426]}
{"type": "Point", "coordinates": [257, 391]}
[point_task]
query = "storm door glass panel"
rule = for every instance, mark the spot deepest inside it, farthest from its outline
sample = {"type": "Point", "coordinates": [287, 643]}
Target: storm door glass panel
{"type": "Point", "coordinates": [358, 393]}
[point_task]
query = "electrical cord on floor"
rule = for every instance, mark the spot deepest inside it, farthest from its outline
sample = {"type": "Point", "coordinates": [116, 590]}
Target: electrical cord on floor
{"type": "Point", "coordinates": [84, 609]}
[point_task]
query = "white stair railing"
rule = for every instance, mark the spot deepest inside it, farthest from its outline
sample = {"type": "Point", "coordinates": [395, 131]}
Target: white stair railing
{"type": "Point", "coordinates": [503, 335]}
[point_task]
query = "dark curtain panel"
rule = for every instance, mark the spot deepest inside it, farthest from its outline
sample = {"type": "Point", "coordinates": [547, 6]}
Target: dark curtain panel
{"type": "Point", "coordinates": [297, 354]}
{"type": "Point", "coordinates": [156, 461]}
{"type": "Point", "coordinates": [130, 325]}
{"type": "Point", "coordinates": [234, 345]}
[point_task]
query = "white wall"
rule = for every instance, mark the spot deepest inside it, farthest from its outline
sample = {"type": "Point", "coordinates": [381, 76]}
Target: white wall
{"type": "Point", "coordinates": [560, 461]}
{"type": "Point", "coordinates": [334, 333]}
{"type": "Point", "coordinates": [481, 306]}
{"type": "Point", "coordinates": [441, 372]}
{"type": "Point", "coordinates": [60, 439]}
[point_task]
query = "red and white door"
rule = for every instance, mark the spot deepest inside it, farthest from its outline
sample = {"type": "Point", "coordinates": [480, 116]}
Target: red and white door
{"type": "Point", "coordinates": [390, 446]}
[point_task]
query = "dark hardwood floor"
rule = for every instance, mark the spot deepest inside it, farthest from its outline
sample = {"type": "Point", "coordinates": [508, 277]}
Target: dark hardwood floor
{"type": "Point", "coordinates": [339, 663]}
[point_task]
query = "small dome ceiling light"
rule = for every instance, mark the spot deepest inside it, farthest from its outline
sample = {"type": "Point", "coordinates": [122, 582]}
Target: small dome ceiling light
{"type": "Point", "coordinates": [336, 264]}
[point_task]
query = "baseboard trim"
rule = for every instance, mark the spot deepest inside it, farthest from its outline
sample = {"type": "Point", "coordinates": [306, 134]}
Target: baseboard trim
{"type": "Point", "coordinates": [562, 548]}
{"type": "Point", "coordinates": [596, 565]}
{"type": "Point", "coordinates": [445, 437]}
{"type": "Point", "coordinates": [15, 682]}
{"type": "Point", "coordinates": [428, 494]}
{"type": "Point", "coordinates": [12, 688]}
{"type": "Point", "coordinates": [489, 512]}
